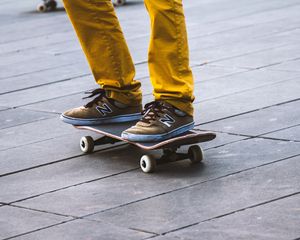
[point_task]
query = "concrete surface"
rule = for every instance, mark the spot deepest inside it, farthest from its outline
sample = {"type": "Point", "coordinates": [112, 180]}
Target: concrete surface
{"type": "Point", "coordinates": [245, 58]}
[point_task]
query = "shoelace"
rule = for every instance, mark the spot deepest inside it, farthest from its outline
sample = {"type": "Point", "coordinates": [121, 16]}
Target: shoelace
{"type": "Point", "coordinates": [153, 110]}
{"type": "Point", "coordinates": [99, 91]}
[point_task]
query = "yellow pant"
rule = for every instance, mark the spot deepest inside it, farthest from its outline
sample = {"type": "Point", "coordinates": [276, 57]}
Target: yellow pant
{"type": "Point", "coordinates": [105, 47]}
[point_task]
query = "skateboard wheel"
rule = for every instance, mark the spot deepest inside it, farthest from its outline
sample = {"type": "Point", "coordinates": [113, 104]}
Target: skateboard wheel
{"type": "Point", "coordinates": [195, 154]}
{"type": "Point", "coordinates": [41, 7]}
{"type": "Point", "coordinates": [118, 2]}
{"type": "Point", "coordinates": [52, 5]}
{"type": "Point", "coordinates": [148, 164]}
{"type": "Point", "coordinates": [87, 144]}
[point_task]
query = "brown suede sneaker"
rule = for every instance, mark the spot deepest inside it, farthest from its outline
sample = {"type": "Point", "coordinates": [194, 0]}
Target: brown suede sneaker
{"type": "Point", "coordinates": [160, 121]}
{"type": "Point", "coordinates": [101, 110]}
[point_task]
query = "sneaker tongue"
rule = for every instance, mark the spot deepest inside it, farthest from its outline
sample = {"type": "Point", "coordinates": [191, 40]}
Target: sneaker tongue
{"type": "Point", "coordinates": [149, 115]}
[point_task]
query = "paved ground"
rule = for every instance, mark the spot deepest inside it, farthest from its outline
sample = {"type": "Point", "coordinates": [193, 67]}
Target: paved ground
{"type": "Point", "coordinates": [246, 60]}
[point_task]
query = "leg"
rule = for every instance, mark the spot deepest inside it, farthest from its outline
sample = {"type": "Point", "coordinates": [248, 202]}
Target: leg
{"type": "Point", "coordinates": [170, 73]}
{"type": "Point", "coordinates": [102, 40]}
{"type": "Point", "coordinates": [104, 45]}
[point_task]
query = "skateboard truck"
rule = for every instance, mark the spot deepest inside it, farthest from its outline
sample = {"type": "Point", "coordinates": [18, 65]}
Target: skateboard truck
{"type": "Point", "coordinates": [148, 162]}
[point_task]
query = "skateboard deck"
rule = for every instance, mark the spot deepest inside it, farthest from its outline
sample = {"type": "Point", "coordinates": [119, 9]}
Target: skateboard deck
{"type": "Point", "coordinates": [111, 133]}
{"type": "Point", "coordinates": [114, 131]}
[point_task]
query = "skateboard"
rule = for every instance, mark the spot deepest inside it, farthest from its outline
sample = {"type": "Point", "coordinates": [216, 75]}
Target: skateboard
{"type": "Point", "coordinates": [51, 5]}
{"type": "Point", "coordinates": [111, 133]}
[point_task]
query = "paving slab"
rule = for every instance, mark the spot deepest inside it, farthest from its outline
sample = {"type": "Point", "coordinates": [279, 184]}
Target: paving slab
{"type": "Point", "coordinates": [134, 186]}
{"type": "Point", "coordinates": [9, 16]}
{"type": "Point", "coordinates": [13, 117]}
{"type": "Point", "coordinates": [290, 134]}
{"type": "Point", "coordinates": [75, 171]}
{"type": "Point", "coordinates": [33, 132]}
{"type": "Point", "coordinates": [27, 18]}
{"type": "Point", "coordinates": [244, 102]}
{"type": "Point", "coordinates": [199, 29]}
{"type": "Point", "coordinates": [277, 220]}
{"type": "Point", "coordinates": [60, 104]}
{"type": "Point", "coordinates": [256, 19]}
{"type": "Point", "coordinates": [238, 82]}
{"type": "Point", "coordinates": [25, 15]}
{"type": "Point", "coordinates": [47, 27]}
{"type": "Point", "coordinates": [273, 13]}
{"type": "Point", "coordinates": [49, 76]}
{"type": "Point", "coordinates": [18, 158]}
{"type": "Point", "coordinates": [238, 34]}
{"type": "Point", "coordinates": [18, 58]}
{"type": "Point", "coordinates": [292, 66]}
{"type": "Point", "coordinates": [39, 64]}
{"type": "Point", "coordinates": [220, 54]}
{"type": "Point", "coordinates": [208, 200]}
{"type": "Point", "coordinates": [44, 43]}
{"type": "Point", "coordinates": [220, 140]}
{"type": "Point", "coordinates": [265, 58]}
{"type": "Point", "coordinates": [141, 71]}
{"type": "Point", "coordinates": [83, 229]}
{"type": "Point", "coordinates": [224, 10]}
{"type": "Point", "coordinates": [15, 221]}
{"type": "Point", "coordinates": [46, 92]}
{"type": "Point", "coordinates": [211, 72]}
{"type": "Point", "coordinates": [238, 49]}
{"type": "Point", "coordinates": [261, 121]}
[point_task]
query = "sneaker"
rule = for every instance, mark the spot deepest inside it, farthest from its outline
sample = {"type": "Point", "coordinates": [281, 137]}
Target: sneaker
{"type": "Point", "coordinates": [101, 110]}
{"type": "Point", "coordinates": [160, 121]}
